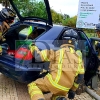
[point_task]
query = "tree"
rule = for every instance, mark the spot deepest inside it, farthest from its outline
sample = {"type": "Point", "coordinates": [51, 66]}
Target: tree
{"type": "Point", "coordinates": [70, 21]}
{"type": "Point", "coordinates": [31, 8]}
{"type": "Point", "coordinates": [56, 17]}
{"type": "Point", "coordinates": [65, 16]}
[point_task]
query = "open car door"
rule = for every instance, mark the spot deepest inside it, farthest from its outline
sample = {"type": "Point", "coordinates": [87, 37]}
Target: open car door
{"type": "Point", "coordinates": [92, 69]}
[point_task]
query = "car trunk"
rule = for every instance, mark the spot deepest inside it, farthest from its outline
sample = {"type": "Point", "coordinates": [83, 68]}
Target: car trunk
{"type": "Point", "coordinates": [26, 10]}
{"type": "Point", "coordinates": [15, 65]}
{"type": "Point", "coordinates": [17, 44]}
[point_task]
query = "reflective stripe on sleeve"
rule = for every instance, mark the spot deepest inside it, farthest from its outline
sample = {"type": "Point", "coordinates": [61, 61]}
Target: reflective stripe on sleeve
{"type": "Point", "coordinates": [76, 85]}
{"type": "Point", "coordinates": [80, 67]}
{"type": "Point", "coordinates": [78, 52]}
{"type": "Point", "coordinates": [44, 54]}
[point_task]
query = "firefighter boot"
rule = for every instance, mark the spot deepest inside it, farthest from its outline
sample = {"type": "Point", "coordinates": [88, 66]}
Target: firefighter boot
{"type": "Point", "coordinates": [41, 99]}
{"type": "Point", "coordinates": [59, 98]}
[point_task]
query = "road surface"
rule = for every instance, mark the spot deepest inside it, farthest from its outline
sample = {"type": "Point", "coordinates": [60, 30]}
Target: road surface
{"type": "Point", "coordinates": [12, 90]}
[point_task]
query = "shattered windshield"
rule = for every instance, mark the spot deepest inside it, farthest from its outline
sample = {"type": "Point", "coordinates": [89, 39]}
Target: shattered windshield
{"type": "Point", "coordinates": [31, 8]}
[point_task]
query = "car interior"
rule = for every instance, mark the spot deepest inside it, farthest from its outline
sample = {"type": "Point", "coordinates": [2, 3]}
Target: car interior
{"type": "Point", "coordinates": [19, 33]}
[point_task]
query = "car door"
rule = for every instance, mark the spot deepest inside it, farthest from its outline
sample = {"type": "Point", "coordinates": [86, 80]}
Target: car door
{"type": "Point", "coordinates": [89, 57]}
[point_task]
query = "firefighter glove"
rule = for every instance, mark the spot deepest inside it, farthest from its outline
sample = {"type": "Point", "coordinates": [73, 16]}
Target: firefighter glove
{"type": "Point", "coordinates": [31, 44]}
{"type": "Point", "coordinates": [71, 94]}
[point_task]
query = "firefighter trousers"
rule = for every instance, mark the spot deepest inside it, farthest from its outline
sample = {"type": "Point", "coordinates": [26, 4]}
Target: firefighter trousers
{"type": "Point", "coordinates": [36, 89]}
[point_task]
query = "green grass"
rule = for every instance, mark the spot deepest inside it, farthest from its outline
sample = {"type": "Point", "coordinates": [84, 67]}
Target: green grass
{"type": "Point", "coordinates": [91, 35]}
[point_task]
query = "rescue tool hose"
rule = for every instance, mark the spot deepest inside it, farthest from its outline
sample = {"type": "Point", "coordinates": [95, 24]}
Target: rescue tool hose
{"type": "Point", "coordinates": [93, 94]}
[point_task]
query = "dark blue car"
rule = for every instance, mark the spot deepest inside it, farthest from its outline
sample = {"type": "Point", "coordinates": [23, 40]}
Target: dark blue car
{"type": "Point", "coordinates": [49, 37]}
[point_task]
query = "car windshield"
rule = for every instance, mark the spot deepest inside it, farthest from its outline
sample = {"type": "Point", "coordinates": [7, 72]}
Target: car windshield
{"type": "Point", "coordinates": [31, 8]}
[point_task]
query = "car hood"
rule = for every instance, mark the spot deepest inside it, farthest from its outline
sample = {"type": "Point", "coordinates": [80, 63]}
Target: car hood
{"type": "Point", "coordinates": [34, 10]}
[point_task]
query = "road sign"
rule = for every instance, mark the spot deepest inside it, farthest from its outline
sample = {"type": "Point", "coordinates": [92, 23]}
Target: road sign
{"type": "Point", "coordinates": [88, 14]}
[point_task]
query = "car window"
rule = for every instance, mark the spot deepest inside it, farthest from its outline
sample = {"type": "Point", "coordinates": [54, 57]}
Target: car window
{"type": "Point", "coordinates": [31, 31]}
{"type": "Point", "coordinates": [24, 31]}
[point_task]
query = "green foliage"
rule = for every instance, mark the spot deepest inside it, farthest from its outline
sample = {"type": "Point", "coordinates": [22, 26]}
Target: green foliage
{"type": "Point", "coordinates": [91, 35]}
{"type": "Point", "coordinates": [89, 30]}
{"type": "Point", "coordinates": [70, 21]}
{"type": "Point", "coordinates": [34, 8]}
{"type": "Point", "coordinates": [56, 17]}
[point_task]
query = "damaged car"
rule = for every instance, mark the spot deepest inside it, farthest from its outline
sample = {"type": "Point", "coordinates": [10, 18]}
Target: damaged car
{"type": "Point", "coordinates": [16, 60]}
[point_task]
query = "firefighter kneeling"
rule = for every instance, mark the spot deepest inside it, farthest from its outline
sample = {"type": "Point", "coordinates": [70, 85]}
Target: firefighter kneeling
{"type": "Point", "coordinates": [66, 70]}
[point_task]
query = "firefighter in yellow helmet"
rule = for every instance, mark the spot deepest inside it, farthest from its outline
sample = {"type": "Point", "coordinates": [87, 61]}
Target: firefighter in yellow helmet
{"type": "Point", "coordinates": [66, 70]}
{"type": "Point", "coordinates": [6, 18]}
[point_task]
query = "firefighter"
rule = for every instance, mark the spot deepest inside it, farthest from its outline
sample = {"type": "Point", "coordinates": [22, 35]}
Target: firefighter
{"type": "Point", "coordinates": [6, 18]}
{"type": "Point", "coordinates": [66, 70]}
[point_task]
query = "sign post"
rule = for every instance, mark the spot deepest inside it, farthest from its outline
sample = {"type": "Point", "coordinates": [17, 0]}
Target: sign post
{"type": "Point", "coordinates": [88, 14]}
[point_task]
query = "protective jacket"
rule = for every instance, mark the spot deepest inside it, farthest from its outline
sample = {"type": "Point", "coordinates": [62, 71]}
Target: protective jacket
{"type": "Point", "coordinates": [66, 69]}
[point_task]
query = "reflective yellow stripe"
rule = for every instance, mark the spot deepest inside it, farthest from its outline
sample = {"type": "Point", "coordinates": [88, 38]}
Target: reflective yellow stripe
{"type": "Point", "coordinates": [71, 50]}
{"type": "Point", "coordinates": [44, 54]}
{"type": "Point", "coordinates": [76, 85]}
{"type": "Point", "coordinates": [31, 88]}
{"type": "Point", "coordinates": [0, 49]}
{"type": "Point", "coordinates": [35, 92]}
{"type": "Point", "coordinates": [32, 48]}
{"type": "Point", "coordinates": [56, 85]}
{"type": "Point", "coordinates": [80, 69]}
{"type": "Point", "coordinates": [78, 52]}
{"type": "Point", "coordinates": [59, 66]}
{"type": "Point", "coordinates": [31, 84]}
{"type": "Point", "coordinates": [96, 42]}
{"type": "Point", "coordinates": [79, 65]}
